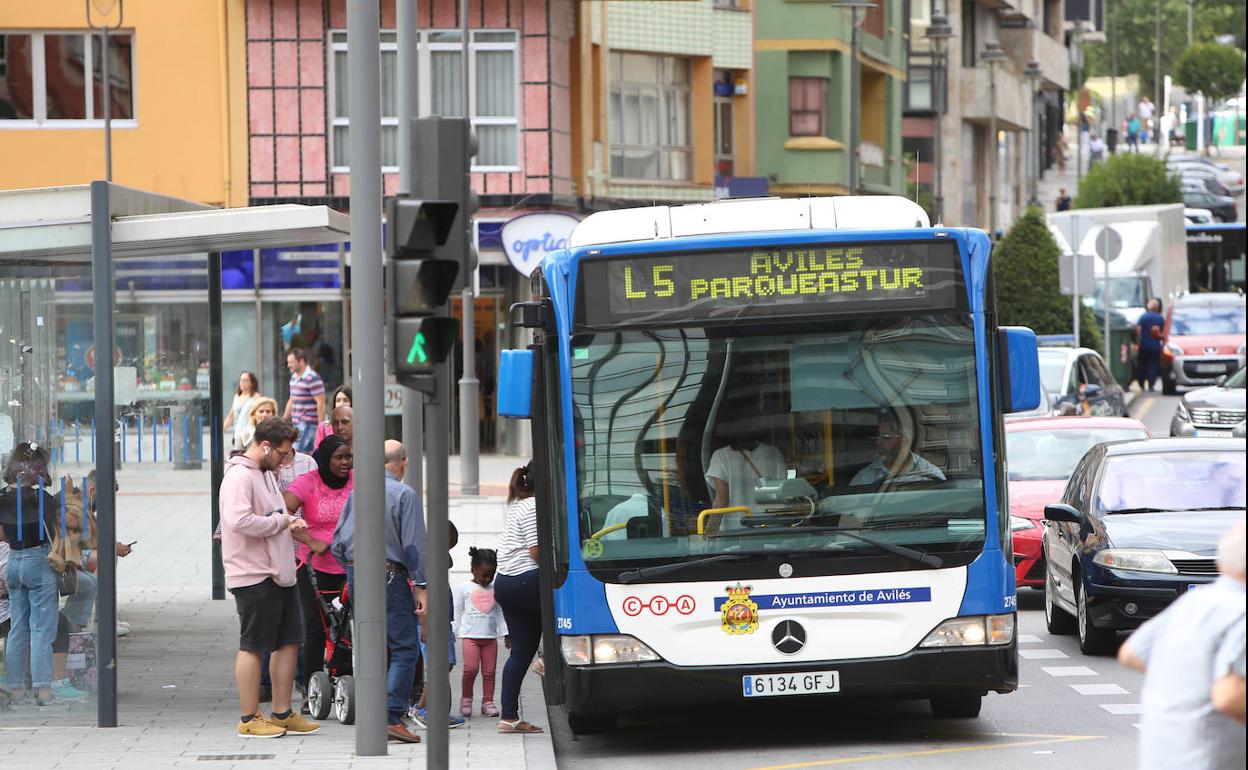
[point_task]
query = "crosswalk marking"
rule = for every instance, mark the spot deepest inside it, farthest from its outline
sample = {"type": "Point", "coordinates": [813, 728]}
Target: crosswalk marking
{"type": "Point", "coordinates": [1098, 689]}
{"type": "Point", "coordinates": [1029, 639]}
{"type": "Point", "coordinates": [1068, 671]}
{"type": "Point", "coordinates": [1123, 708]}
{"type": "Point", "coordinates": [1041, 654]}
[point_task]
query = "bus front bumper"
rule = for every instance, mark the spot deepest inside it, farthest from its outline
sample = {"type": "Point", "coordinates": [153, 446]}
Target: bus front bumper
{"type": "Point", "coordinates": [917, 674]}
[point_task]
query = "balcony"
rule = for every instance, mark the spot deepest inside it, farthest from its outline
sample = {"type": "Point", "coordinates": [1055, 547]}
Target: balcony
{"type": "Point", "coordinates": [1025, 44]}
{"type": "Point", "coordinates": [1013, 105]}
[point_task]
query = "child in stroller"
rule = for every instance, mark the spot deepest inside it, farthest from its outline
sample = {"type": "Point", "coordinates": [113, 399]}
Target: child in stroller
{"type": "Point", "coordinates": [333, 688]}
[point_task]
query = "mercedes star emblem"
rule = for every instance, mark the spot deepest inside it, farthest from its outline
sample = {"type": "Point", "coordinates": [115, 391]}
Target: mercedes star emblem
{"type": "Point", "coordinates": [788, 637]}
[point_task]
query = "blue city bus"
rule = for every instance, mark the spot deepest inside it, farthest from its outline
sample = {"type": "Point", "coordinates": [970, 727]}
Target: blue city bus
{"type": "Point", "coordinates": [768, 451]}
{"type": "Point", "coordinates": [1215, 257]}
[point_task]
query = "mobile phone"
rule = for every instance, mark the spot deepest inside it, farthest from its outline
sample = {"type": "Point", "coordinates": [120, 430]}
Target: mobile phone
{"type": "Point", "coordinates": [131, 545]}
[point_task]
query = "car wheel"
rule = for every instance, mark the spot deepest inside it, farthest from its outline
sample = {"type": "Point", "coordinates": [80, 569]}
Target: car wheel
{"type": "Point", "coordinates": [956, 706]}
{"type": "Point", "coordinates": [1092, 640]}
{"type": "Point", "coordinates": [1057, 620]}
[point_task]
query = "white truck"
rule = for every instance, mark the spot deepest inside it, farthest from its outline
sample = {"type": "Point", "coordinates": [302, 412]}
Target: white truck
{"type": "Point", "coordinates": [1153, 259]}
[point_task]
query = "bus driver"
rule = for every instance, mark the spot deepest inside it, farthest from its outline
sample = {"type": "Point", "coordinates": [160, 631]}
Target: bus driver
{"type": "Point", "coordinates": [890, 466]}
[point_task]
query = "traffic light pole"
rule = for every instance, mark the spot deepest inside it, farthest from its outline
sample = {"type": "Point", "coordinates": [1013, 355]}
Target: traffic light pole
{"type": "Point", "coordinates": [413, 402]}
{"type": "Point", "coordinates": [469, 446]}
{"type": "Point", "coordinates": [367, 321]}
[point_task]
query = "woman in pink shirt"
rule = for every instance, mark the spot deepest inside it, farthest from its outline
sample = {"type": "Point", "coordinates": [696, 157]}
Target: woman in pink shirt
{"type": "Point", "coordinates": [321, 493]}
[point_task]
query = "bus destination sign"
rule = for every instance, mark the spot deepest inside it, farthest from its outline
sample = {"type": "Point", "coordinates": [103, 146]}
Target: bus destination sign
{"type": "Point", "coordinates": [769, 282]}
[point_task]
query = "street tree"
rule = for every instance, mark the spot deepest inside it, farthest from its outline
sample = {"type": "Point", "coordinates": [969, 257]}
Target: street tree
{"type": "Point", "coordinates": [1214, 69]}
{"type": "Point", "coordinates": [1028, 292]}
{"type": "Point", "coordinates": [1128, 179]}
{"type": "Point", "coordinates": [1137, 35]}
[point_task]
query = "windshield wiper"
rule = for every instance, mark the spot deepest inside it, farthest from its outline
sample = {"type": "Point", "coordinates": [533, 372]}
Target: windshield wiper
{"type": "Point", "coordinates": [635, 575]}
{"type": "Point", "coordinates": [1141, 510]}
{"type": "Point", "coordinates": [913, 554]}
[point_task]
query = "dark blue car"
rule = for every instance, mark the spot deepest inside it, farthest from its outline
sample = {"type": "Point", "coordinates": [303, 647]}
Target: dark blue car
{"type": "Point", "coordinates": [1138, 525]}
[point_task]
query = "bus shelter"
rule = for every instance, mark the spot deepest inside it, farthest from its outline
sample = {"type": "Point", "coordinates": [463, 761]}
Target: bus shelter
{"type": "Point", "coordinates": [81, 238]}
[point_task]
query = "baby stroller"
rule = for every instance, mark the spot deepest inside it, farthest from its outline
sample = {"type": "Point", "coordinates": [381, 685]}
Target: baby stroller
{"type": "Point", "coordinates": [333, 688]}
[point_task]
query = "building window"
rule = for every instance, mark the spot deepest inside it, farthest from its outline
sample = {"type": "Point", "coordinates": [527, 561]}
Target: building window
{"type": "Point", "coordinates": [968, 33]}
{"type": "Point", "coordinates": [493, 95]}
{"type": "Point", "coordinates": [650, 117]}
{"type": "Point", "coordinates": [919, 82]}
{"type": "Point", "coordinates": [808, 104]}
{"type": "Point", "coordinates": [57, 78]}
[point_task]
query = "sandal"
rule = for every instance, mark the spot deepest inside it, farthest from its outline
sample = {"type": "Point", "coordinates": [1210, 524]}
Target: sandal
{"type": "Point", "coordinates": [518, 726]}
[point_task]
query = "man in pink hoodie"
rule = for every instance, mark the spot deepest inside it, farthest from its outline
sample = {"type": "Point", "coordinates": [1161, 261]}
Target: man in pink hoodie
{"type": "Point", "coordinates": [258, 553]}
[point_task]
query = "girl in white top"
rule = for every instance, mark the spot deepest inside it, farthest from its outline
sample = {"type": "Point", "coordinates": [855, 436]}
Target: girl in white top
{"type": "Point", "coordinates": [480, 621]}
{"type": "Point", "coordinates": [239, 417]}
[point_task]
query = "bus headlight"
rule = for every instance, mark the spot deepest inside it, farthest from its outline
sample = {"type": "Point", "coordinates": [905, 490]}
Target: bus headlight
{"type": "Point", "coordinates": [1135, 559]}
{"type": "Point", "coordinates": [605, 648]}
{"type": "Point", "coordinates": [970, 632]}
{"type": "Point", "coordinates": [1021, 522]}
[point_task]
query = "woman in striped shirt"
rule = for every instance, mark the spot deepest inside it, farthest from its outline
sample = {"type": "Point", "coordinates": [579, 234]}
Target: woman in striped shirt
{"type": "Point", "coordinates": [516, 591]}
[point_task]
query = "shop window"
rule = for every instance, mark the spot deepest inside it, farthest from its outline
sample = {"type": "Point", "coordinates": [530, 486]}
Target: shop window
{"type": "Point", "coordinates": [58, 77]}
{"type": "Point", "coordinates": [493, 95]}
{"type": "Point", "coordinates": [808, 106]}
{"type": "Point", "coordinates": [649, 113]}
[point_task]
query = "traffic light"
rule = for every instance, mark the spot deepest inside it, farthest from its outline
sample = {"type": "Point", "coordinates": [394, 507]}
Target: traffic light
{"type": "Point", "coordinates": [417, 230]}
{"type": "Point", "coordinates": [442, 153]}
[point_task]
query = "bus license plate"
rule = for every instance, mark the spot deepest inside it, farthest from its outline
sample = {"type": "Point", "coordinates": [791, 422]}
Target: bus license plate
{"type": "Point", "coordinates": [799, 683]}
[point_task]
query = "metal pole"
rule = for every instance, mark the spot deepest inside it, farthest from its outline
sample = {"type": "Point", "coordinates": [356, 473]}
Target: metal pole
{"type": "Point", "coordinates": [367, 322]}
{"type": "Point", "coordinates": [216, 409]}
{"type": "Point", "coordinates": [108, 110]}
{"type": "Point", "coordinates": [1105, 309]}
{"type": "Point", "coordinates": [1189, 23]}
{"type": "Point", "coordinates": [1078, 109]}
{"type": "Point", "coordinates": [943, 76]}
{"type": "Point", "coordinates": [469, 441]}
{"type": "Point", "coordinates": [1157, 84]}
{"type": "Point", "coordinates": [1113, 68]}
{"type": "Point", "coordinates": [992, 150]}
{"type": "Point", "coordinates": [1033, 154]}
{"type": "Point", "coordinates": [105, 475]}
{"type": "Point", "coordinates": [1074, 300]}
{"type": "Point", "coordinates": [853, 104]}
{"type": "Point", "coordinates": [413, 401]}
{"type": "Point", "coordinates": [438, 610]}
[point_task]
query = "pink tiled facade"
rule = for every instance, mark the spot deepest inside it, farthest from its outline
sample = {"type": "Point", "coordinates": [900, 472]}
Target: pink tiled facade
{"type": "Point", "coordinates": [287, 57]}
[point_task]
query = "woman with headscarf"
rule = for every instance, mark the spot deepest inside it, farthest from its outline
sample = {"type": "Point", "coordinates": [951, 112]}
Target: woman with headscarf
{"type": "Point", "coordinates": [321, 494]}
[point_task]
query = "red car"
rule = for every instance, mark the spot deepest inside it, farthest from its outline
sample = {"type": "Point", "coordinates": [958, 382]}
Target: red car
{"type": "Point", "coordinates": [1041, 453]}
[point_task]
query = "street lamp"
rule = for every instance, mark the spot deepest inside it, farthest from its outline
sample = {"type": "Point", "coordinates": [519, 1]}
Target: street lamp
{"type": "Point", "coordinates": [939, 32]}
{"type": "Point", "coordinates": [105, 7]}
{"type": "Point", "coordinates": [1033, 73]}
{"type": "Point", "coordinates": [992, 56]}
{"type": "Point", "coordinates": [854, 7]}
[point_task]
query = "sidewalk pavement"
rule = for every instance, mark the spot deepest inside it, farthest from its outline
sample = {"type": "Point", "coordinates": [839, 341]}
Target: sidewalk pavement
{"type": "Point", "coordinates": [177, 703]}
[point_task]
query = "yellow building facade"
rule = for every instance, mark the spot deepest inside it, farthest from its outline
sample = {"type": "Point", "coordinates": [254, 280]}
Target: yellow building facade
{"type": "Point", "coordinates": [178, 96]}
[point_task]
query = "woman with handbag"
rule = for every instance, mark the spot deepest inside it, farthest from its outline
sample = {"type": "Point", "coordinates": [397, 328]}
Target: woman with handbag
{"type": "Point", "coordinates": [28, 513]}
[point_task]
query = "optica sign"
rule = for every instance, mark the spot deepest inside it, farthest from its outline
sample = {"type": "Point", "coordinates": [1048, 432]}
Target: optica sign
{"type": "Point", "coordinates": [528, 238]}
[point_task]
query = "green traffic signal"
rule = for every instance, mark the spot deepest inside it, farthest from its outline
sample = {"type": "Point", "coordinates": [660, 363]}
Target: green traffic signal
{"type": "Point", "coordinates": [417, 353]}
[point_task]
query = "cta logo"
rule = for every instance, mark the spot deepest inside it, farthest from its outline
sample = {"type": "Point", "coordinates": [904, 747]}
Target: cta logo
{"type": "Point", "coordinates": [658, 605]}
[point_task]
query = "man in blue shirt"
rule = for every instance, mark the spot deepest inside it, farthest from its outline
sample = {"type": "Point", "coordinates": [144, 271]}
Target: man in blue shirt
{"type": "Point", "coordinates": [1149, 330]}
{"type": "Point", "coordinates": [405, 583]}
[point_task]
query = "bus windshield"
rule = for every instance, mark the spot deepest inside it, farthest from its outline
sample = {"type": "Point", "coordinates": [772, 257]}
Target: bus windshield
{"type": "Point", "coordinates": [769, 439]}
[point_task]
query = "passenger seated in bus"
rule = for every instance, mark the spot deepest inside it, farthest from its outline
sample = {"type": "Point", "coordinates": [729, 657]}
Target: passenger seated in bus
{"type": "Point", "coordinates": [635, 506]}
{"type": "Point", "coordinates": [895, 464]}
{"type": "Point", "coordinates": [733, 472]}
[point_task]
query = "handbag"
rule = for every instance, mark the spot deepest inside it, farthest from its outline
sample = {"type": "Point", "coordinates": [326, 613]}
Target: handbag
{"type": "Point", "coordinates": [67, 581]}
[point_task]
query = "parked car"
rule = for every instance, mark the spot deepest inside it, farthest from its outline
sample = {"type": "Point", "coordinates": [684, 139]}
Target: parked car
{"type": "Point", "coordinates": [1207, 177]}
{"type": "Point", "coordinates": [1222, 206]}
{"type": "Point", "coordinates": [1233, 180]}
{"type": "Point", "coordinates": [1080, 377]}
{"type": "Point", "coordinates": [1204, 339]}
{"type": "Point", "coordinates": [1215, 411]}
{"type": "Point", "coordinates": [1199, 216]}
{"type": "Point", "coordinates": [1041, 453]}
{"type": "Point", "coordinates": [1137, 526]}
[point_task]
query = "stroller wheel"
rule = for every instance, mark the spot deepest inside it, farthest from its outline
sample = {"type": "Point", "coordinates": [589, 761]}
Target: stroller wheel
{"type": "Point", "coordinates": [344, 700]}
{"type": "Point", "coordinates": [320, 695]}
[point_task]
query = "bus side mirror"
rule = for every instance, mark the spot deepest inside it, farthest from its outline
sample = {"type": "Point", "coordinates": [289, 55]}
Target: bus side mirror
{"type": "Point", "coordinates": [515, 384]}
{"type": "Point", "coordinates": [1020, 375]}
